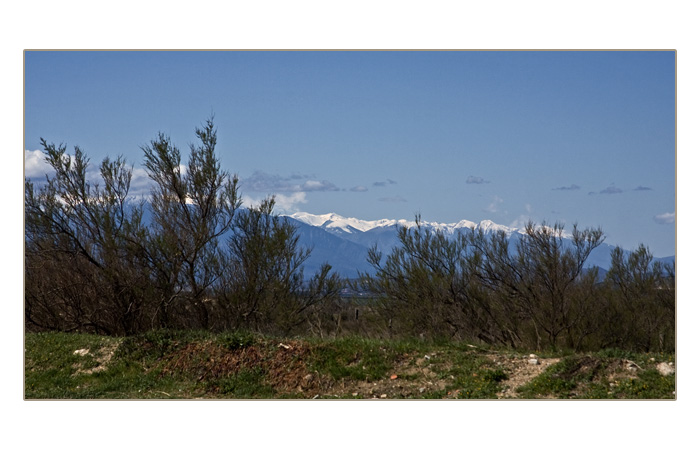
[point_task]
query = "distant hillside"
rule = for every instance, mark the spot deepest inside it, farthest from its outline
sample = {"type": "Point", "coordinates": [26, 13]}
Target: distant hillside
{"type": "Point", "coordinates": [344, 242]}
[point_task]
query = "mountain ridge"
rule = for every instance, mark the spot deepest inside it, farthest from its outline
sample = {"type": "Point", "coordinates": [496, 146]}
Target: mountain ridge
{"type": "Point", "coordinates": [336, 221]}
{"type": "Point", "coordinates": [347, 239]}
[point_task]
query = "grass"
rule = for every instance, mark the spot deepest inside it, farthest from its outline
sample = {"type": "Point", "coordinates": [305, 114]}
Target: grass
{"type": "Point", "coordinates": [356, 358]}
{"type": "Point", "coordinates": [169, 364]}
{"type": "Point", "coordinates": [247, 383]}
{"type": "Point", "coordinates": [54, 371]}
{"type": "Point", "coordinates": [609, 374]}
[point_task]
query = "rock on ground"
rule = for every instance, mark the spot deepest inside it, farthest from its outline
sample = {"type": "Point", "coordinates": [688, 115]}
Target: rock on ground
{"type": "Point", "coordinates": [665, 369]}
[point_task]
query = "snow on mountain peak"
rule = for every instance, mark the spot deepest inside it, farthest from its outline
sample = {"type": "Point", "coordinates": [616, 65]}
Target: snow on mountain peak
{"type": "Point", "coordinates": [347, 224]}
{"type": "Point", "coordinates": [488, 225]}
{"type": "Point", "coordinates": [335, 222]}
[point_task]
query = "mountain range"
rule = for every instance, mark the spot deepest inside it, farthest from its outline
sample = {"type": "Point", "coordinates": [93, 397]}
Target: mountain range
{"type": "Point", "coordinates": [343, 242]}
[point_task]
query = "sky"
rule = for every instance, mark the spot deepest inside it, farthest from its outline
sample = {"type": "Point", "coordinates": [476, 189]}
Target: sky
{"type": "Point", "coordinates": [585, 137]}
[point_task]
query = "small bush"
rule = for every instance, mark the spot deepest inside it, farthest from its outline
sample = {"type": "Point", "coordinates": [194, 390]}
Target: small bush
{"type": "Point", "coordinates": [615, 353]}
{"type": "Point", "coordinates": [234, 340]}
{"type": "Point", "coordinates": [495, 376]}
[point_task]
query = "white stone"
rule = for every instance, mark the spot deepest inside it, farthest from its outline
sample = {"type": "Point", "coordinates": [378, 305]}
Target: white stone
{"type": "Point", "coordinates": [533, 361]}
{"type": "Point", "coordinates": [665, 369]}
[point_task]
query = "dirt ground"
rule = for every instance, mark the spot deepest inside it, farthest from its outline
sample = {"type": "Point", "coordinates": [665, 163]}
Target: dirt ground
{"type": "Point", "coordinates": [416, 379]}
{"type": "Point", "coordinates": [412, 375]}
{"type": "Point", "coordinates": [520, 371]}
{"type": "Point", "coordinates": [102, 356]}
{"type": "Point", "coordinates": [422, 380]}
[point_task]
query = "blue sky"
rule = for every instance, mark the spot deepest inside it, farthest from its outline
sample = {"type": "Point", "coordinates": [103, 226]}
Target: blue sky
{"type": "Point", "coordinates": [585, 137]}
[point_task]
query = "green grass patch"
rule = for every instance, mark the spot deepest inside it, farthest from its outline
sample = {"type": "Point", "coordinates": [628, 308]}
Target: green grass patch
{"type": "Point", "coordinates": [562, 379]}
{"type": "Point", "coordinates": [477, 379]}
{"type": "Point", "coordinates": [247, 383]}
{"type": "Point", "coordinates": [112, 368]}
{"type": "Point", "coordinates": [353, 358]}
{"type": "Point", "coordinates": [233, 340]}
{"type": "Point", "coordinates": [168, 364]}
{"type": "Point", "coordinates": [609, 374]}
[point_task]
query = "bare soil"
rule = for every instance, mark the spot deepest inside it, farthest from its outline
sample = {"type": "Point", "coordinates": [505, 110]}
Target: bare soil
{"type": "Point", "coordinates": [102, 357]}
{"type": "Point", "coordinates": [520, 371]}
{"type": "Point", "coordinates": [412, 376]}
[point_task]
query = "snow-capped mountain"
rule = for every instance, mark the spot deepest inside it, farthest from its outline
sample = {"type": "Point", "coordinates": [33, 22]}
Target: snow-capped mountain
{"type": "Point", "coordinates": [348, 225]}
{"type": "Point", "coordinates": [382, 233]}
{"type": "Point", "coordinates": [343, 241]}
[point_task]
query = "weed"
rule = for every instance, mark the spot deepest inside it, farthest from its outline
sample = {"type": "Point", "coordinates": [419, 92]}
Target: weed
{"type": "Point", "coordinates": [193, 364]}
{"type": "Point", "coordinates": [233, 340]}
{"type": "Point", "coordinates": [556, 381]}
{"type": "Point", "coordinates": [354, 358]}
{"type": "Point", "coordinates": [483, 384]}
{"type": "Point", "coordinates": [649, 384]}
{"type": "Point", "coordinates": [615, 353]}
{"type": "Point", "coordinates": [495, 376]}
{"type": "Point", "coordinates": [247, 383]}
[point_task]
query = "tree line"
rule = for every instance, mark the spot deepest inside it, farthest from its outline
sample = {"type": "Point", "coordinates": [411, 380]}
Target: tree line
{"type": "Point", "coordinates": [534, 292]}
{"type": "Point", "coordinates": [191, 257]}
{"type": "Point", "coordinates": [93, 263]}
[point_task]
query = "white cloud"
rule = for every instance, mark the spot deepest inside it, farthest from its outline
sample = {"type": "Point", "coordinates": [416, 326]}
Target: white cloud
{"type": "Point", "coordinates": [314, 185]}
{"type": "Point", "coordinates": [493, 206]}
{"type": "Point", "coordinates": [249, 202]}
{"type": "Point", "coordinates": [522, 219]}
{"type": "Point", "coordinates": [35, 165]}
{"type": "Point", "coordinates": [665, 218]}
{"type": "Point", "coordinates": [311, 185]}
{"type": "Point", "coordinates": [359, 189]}
{"type": "Point", "coordinates": [36, 168]}
{"type": "Point", "coordinates": [140, 183]}
{"type": "Point", "coordinates": [288, 203]}
{"type": "Point", "coordinates": [284, 203]}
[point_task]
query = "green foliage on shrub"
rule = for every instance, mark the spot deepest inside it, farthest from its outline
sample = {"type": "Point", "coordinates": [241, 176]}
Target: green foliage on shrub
{"type": "Point", "coordinates": [233, 340]}
{"type": "Point", "coordinates": [94, 264]}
